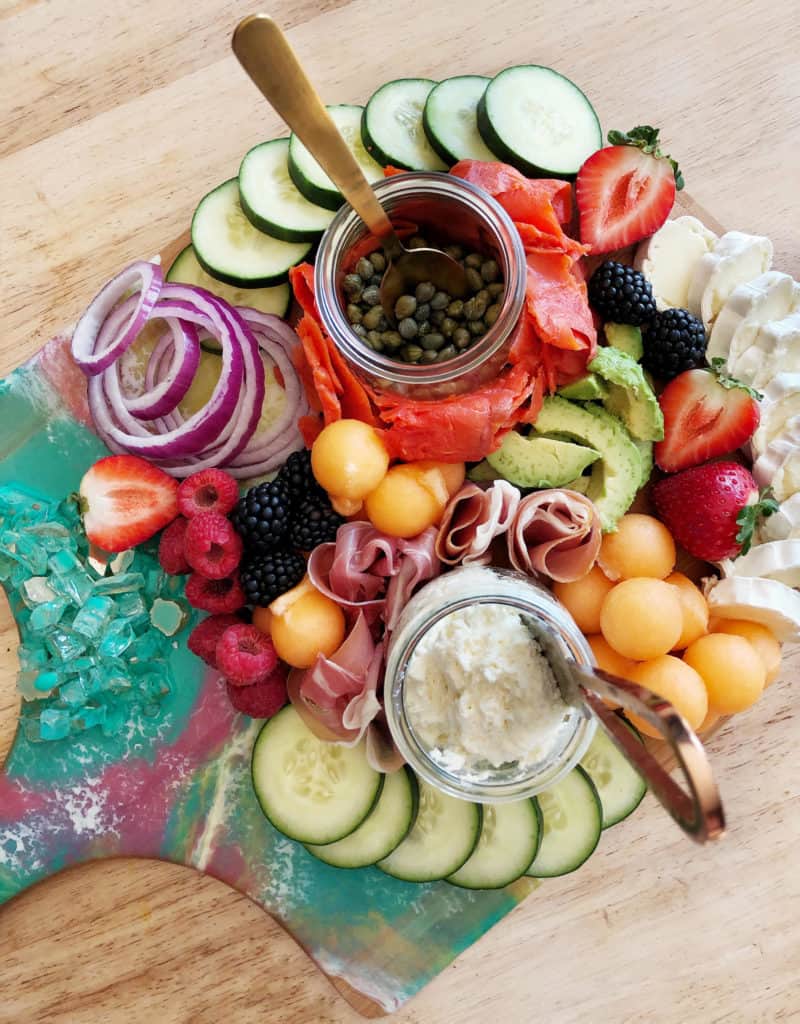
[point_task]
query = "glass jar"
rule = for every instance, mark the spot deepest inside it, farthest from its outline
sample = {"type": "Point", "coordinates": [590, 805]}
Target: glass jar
{"type": "Point", "coordinates": [483, 783]}
{"type": "Point", "coordinates": [451, 211]}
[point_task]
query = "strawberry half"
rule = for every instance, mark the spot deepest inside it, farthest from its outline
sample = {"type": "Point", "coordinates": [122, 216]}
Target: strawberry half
{"type": "Point", "coordinates": [625, 192]}
{"type": "Point", "coordinates": [706, 414]}
{"type": "Point", "coordinates": [712, 511]}
{"type": "Point", "coordinates": [125, 500]}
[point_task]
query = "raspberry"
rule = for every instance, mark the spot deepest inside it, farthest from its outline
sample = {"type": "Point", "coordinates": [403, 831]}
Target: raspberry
{"type": "Point", "coordinates": [204, 637]}
{"type": "Point", "coordinates": [245, 655]}
{"type": "Point", "coordinates": [212, 546]}
{"type": "Point", "coordinates": [215, 596]}
{"type": "Point", "coordinates": [263, 698]}
{"type": "Point", "coordinates": [211, 490]}
{"type": "Point", "coordinates": [170, 548]}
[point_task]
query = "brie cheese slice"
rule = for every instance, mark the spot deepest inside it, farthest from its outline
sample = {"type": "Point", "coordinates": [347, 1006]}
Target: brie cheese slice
{"type": "Point", "coordinates": [668, 259]}
{"type": "Point", "coordinates": [769, 602]}
{"type": "Point", "coordinates": [735, 259]}
{"type": "Point", "coordinates": [783, 524]}
{"type": "Point", "coordinates": [770, 296]}
{"type": "Point", "coordinates": [775, 560]}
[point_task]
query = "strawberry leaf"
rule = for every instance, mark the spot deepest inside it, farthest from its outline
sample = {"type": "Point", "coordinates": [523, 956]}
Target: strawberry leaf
{"type": "Point", "coordinates": [645, 137]}
{"type": "Point", "coordinates": [729, 383]}
{"type": "Point", "coordinates": [751, 515]}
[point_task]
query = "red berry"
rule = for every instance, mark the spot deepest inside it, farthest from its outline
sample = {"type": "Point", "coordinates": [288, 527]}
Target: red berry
{"type": "Point", "coordinates": [211, 490]}
{"type": "Point", "coordinates": [170, 548]}
{"type": "Point", "coordinates": [261, 700]}
{"type": "Point", "coordinates": [204, 637]}
{"type": "Point", "coordinates": [215, 596]}
{"type": "Point", "coordinates": [245, 655]}
{"type": "Point", "coordinates": [212, 546]}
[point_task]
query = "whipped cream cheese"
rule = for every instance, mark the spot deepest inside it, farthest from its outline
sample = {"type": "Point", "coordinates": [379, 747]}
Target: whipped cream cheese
{"type": "Point", "coordinates": [479, 690]}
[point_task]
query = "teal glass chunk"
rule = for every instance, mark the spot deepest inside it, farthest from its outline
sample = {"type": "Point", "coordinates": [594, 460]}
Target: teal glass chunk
{"type": "Point", "coordinates": [32, 657]}
{"type": "Point", "coordinates": [167, 616]}
{"type": "Point", "coordinates": [28, 551]}
{"type": "Point", "coordinates": [31, 730]}
{"type": "Point", "coordinates": [51, 536]}
{"type": "Point", "coordinates": [93, 617]}
{"type": "Point", "coordinates": [146, 648]}
{"type": "Point", "coordinates": [133, 608]}
{"type": "Point", "coordinates": [75, 693]}
{"type": "Point", "coordinates": [54, 724]}
{"type": "Point", "coordinates": [76, 586]}
{"type": "Point", "coordinates": [7, 566]}
{"type": "Point", "coordinates": [64, 562]}
{"type": "Point", "coordinates": [122, 583]}
{"type": "Point", "coordinates": [116, 639]}
{"type": "Point", "coordinates": [45, 616]}
{"type": "Point", "coordinates": [64, 643]}
{"type": "Point", "coordinates": [122, 562]}
{"type": "Point", "coordinates": [47, 680]}
{"type": "Point", "coordinates": [36, 590]}
{"type": "Point", "coordinates": [88, 717]}
{"type": "Point", "coordinates": [26, 685]}
{"type": "Point", "coordinates": [155, 581]}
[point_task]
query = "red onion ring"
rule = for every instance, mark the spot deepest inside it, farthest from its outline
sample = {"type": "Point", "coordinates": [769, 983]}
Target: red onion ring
{"type": "Point", "coordinates": [87, 351]}
{"type": "Point", "coordinates": [160, 398]}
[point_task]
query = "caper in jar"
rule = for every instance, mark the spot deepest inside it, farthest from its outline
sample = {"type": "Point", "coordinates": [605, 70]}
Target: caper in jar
{"type": "Point", "coordinates": [461, 337]}
{"type": "Point", "coordinates": [364, 268]}
{"type": "Point", "coordinates": [378, 261]}
{"type": "Point", "coordinates": [474, 279]}
{"type": "Point", "coordinates": [354, 314]}
{"type": "Point", "coordinates": [491, 314]}
{"type": "Point", "coordinates": [411, 353]}
{"type": "Point", "coordinates": [371, 295]}
{"type": "Point", "coordinates": [422, 312]}
{"type": "Point", "coordinates": [441, 300]}
{"type": "Point", "coordinates": [474, 260]}
{"type": "Point", "coordinates": [490, 271]}
{"type": "Point", "coordinates": [408, 328]}
{"type": "Point", "coordinates": [424, 291]}
{"type": "Point", "coordinates": [374, 319]}
{"type": "Point", "coordinates": [433, 340]}
{"type": "Point", "coordinates": [352, 286]}
{"type": "Point", "coordinates": [446, 353]}
{"type": "Point", "coordinates": [405, 306]}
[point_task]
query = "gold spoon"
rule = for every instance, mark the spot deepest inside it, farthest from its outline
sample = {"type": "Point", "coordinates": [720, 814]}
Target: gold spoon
{"type": "Point", "coordinates": [264, 52]}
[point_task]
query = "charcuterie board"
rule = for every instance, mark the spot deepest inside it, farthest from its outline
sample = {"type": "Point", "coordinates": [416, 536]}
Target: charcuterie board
{"type": "Point", "coordinates": [180, 790]}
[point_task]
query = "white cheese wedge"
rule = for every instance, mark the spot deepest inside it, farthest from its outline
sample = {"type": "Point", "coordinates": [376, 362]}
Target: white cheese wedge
{"type": "Point", "coordinates": [783, 524]}
{"type": "Point", "coordinates": [776, 350]}
{"type": "Point", "coordinates": [735, 259]}
{"type": "Point", "coordinates": [770, 296]}
{"type": "Point", "coordinates": [769, 602]}
{"type": "Point", "coordinates": [779, 407]}
{"type": "Point", "coordinates": [775, 560]}
{"type": "Point", "coordinates": [668, 259]}
{"type": "Point", "coordinates": [778, 466]}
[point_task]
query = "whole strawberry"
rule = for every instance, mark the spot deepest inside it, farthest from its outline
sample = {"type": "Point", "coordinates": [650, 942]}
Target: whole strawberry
{"type": "Point", "coordinates": [712, 510]}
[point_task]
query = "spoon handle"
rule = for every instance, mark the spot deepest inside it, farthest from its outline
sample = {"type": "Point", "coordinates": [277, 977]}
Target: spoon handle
{"type": "Point", "coordinates": [264, 52]}
{"type": "Point", "coordinates": [699, 810]}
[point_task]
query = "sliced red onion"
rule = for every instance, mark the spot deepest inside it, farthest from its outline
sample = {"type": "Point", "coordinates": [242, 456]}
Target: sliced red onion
{"type": "Point", "coordinates": [163, 393]}
{"type": "Point", "coordinates": [89, 353]}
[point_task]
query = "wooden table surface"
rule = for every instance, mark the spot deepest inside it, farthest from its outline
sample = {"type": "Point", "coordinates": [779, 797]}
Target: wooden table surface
{"type": "Point", "coordinates": [115, 117]}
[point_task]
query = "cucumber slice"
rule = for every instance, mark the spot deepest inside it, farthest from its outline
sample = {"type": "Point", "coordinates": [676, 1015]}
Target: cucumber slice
{"type": "Point", "coordinates": [384, 829]}
{"type": "Point", "coordinates": [310, 178]}
{"type": "Point", "coordinates": [391, 126]}
{"type": "Point", "coordinates": [573, 820]}
{"type": "Point", "coordinates": [619, 786]}
{"type": "Point", "coordinates": [510, 838]}
{"type": "Point", "coordinates": [186, 269]}
{"type": "Point", "coordinates": [311, 790]}
{"type": "Point", "coordinates": [539, 121]}
{"type": "Point", "coordinates": [270, 199]}
{"type": "Point", "coordinates": [444, 835]}
{"type": "Point", "coordinates": [229, 248]}
{"type": "Point", "coordinates": [450, 119]}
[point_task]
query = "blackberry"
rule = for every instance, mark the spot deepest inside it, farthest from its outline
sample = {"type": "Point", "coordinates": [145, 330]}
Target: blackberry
{"type": "Point", "coordinates": [673, 342]}
{"type": "Point", "coordinates": [621, 294]}
{"type": "Point", "coordinates": [296, 473]}
{"type": "Point", "coordinates": [314, 522]}
{"type": "Point", "coordinates": [265, 577]}
{"type": "Point", "coordinates": [262, 516]}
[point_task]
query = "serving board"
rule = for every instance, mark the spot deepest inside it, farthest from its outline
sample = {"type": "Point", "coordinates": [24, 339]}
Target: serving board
{"type": "Point", "coordinates": [179, 788]}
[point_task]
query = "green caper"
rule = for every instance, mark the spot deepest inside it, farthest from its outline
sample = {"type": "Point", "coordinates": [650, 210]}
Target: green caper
{"type": "Point", "coordinates": [447, 326]}
{"type": "Point", "coordinates": [441, 300]}
{"type": "Point", "coordinates": [376, 279]}
{"type": "Point", "coordinates": [490, 271]}
{"type": "Point", "coordinates": [455, 252]}
{"type": "Point", "coordinates": [391, 339]}
{"type": "Point", "coordinates": [473, 309]}
{"type": "Point", "coordinates": [352, 286]}
{"type": "Point", "coordinates": [374, 338]}
{"type": "Point", "coordinates": [484, 295]}
{"type": "Point", "coordinates": [360, 330]}
{"type": "Point", "coordinates": [492, 314]}
{"type": "Point", "coordinates": [372, 319]}
{"type": "Point", "coordinates": [364, 268]}
{"type": "Point", "coordinates": [371, 296]}
{"type": "Point", "coordinates": [417, 242]}
{"type": "Point", "coordinates": [446, 353]}
{"type": "Point", "coordinates": [456, 308]}
{"type": "Point", "coordinates": [438, 317]}
{"type": "Point", "coordinates": [425, 327]}
{"type": "Point", "coordinates": [476, 327]}
{"type": "Point", "coordinates": [461, 337]}
{"type": "Point", "coordinates": [474, 279]}
{"type": "Point", "coordinates": [411, 353]}
{"type": "Point", "coordinates": [422, 312]}
{"type": "Point", "coordinates": [424, 291]}
{"type": "Point", "coordinates": [378, 261]}
{"type": "Point", "coordinates": [474, 260]}
{"type": "Point", "coordinates": [354, 314]}
{"type": "Point", "coordinates": [429, 356]}
{"type": "Point", "coordinates": [434, 341]}
{"type": "Point", "coordinates": [408, 328]}
{"type": "Point", "coordinates": [496, 288]}
{"type": "Point", "coordinates": [405, 306]}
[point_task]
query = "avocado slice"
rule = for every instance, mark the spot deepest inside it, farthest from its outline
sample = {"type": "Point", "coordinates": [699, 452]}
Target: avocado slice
{"type": "Point", "coordinates": [587, 389]}
{"type": "Point", "coordinates": [616, 476]}
{"type": "Point", "coordinates": [646, 455]}
{"type": "Point", "coordinates": [482, 473]}
{"type": "Point", "coordinates": [630, 397]}
{"type": "Point", "coordinates": [540, 461]}
{"type": "Point", "coordinates": [626, 338]}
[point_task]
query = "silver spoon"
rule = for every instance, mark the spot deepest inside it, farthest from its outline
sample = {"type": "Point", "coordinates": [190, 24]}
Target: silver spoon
{"type": "Point", "coordinates": [264, 52]}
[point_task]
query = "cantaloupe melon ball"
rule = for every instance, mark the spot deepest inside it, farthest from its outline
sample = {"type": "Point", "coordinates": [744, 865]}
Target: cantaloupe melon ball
{"type": "Point", "coordinates": [608, 660]}
{"type": "Point", "coordinates": [641, 546]}
{"type": "Point", "coordinates": [731, 669]}
{"type": "Point", "coordinates": [407, 501]}
{"type": "Point", "coordinates": [583, 598]}
{"type": "Point", "coordinates": [694, 608]}
{"type": "Point", "coordinates": [642, 618]}
{"type": "Point", "coordinates": [349, 459]}
{"type": "Point", "coordinates": [675, 681]}
{"type": "Point", "coordinates": [760, 637]}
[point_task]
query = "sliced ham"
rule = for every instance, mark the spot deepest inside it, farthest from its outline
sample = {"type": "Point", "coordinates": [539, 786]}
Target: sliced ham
{"type": "Point", "coordinates": [556, 534]}
{"type": "Point", "coordinates": [472, 520]}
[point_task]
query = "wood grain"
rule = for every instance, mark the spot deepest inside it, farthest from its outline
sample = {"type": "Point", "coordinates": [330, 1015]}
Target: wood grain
{"type": "Point", "coordinates": [114, 119]}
